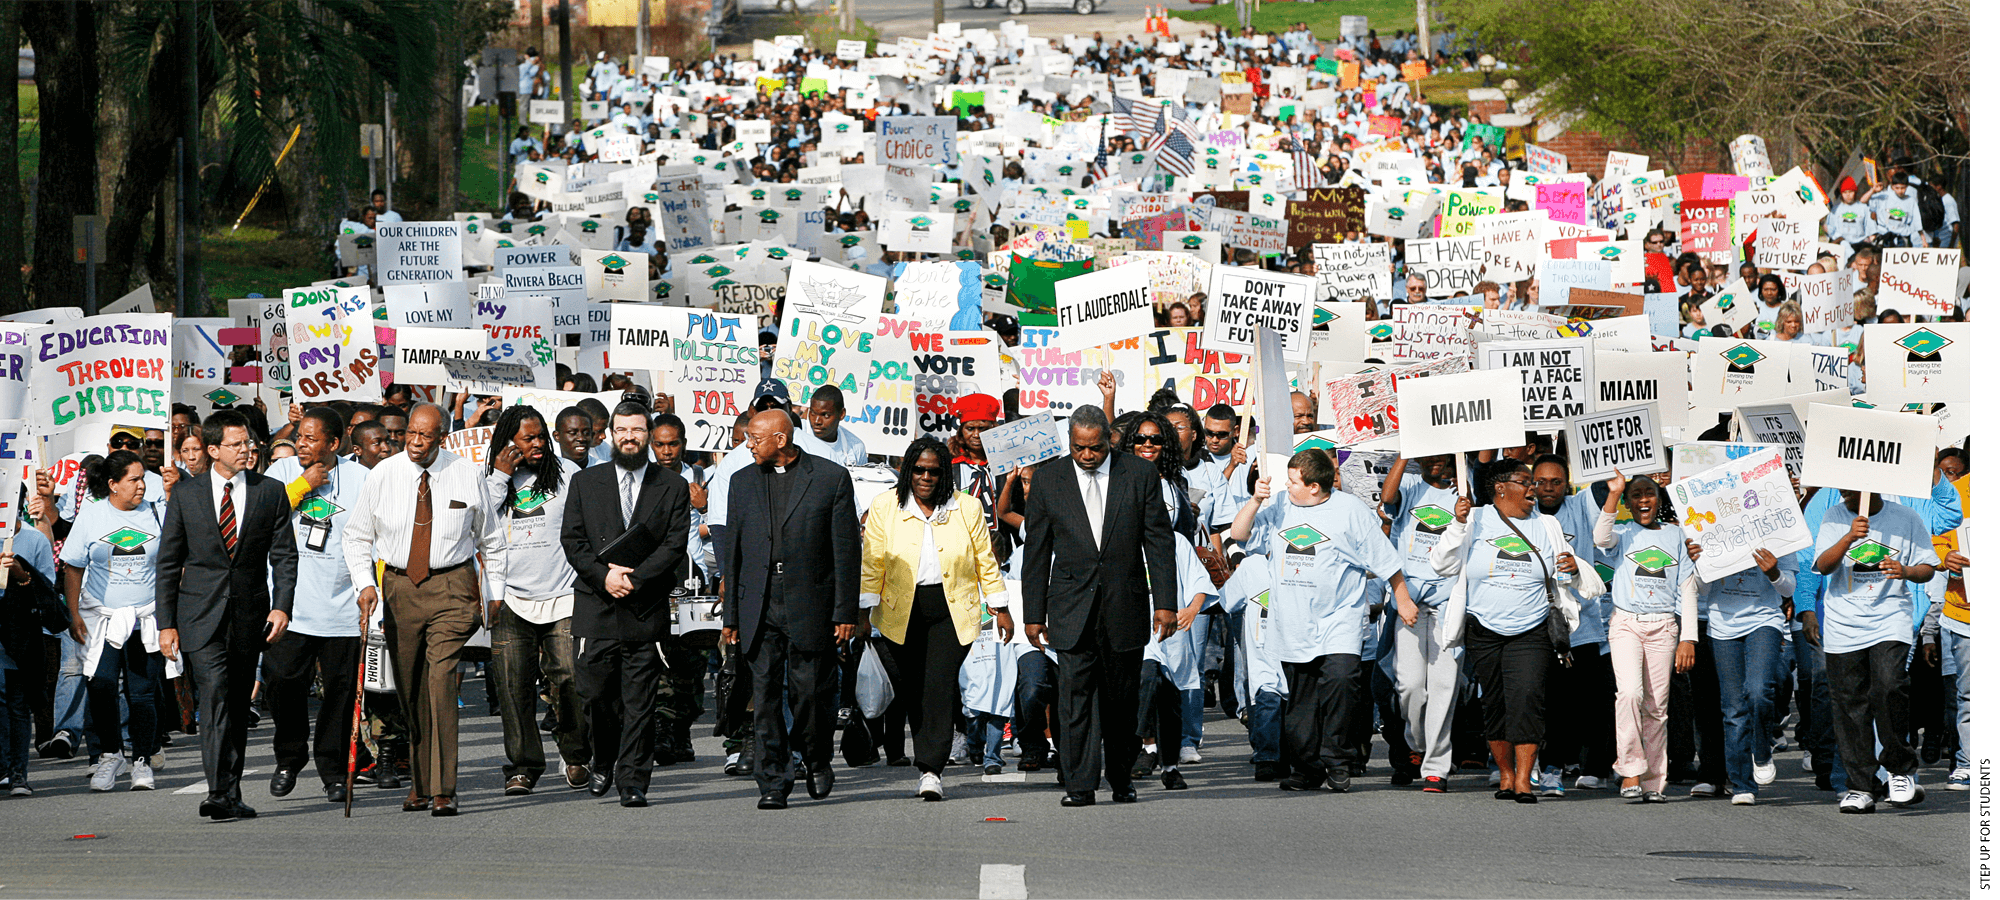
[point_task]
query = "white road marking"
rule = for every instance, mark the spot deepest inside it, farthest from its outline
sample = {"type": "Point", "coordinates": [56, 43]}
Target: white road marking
{"type": "Point", "coordinates": [1004, 778]}
{"type": "Point", "coordinates": [201, 787]}
{"type": "Point", "coordinates": [1003, 882]}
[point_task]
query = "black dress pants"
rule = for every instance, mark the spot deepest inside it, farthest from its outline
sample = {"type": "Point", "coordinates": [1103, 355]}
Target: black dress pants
{"type": "Point", "coordinates": [1325, 697]}
{"type": "Point", "coordinates": [288, 675]}
{"type": "Point", "coordinates": [927, 663]}
{"type": "Point", "coordinates": [616, 680]}
{"type": "Point", "coordinates": [809, 682]}
{"type": "Point", "coordinates": [1097, 703]}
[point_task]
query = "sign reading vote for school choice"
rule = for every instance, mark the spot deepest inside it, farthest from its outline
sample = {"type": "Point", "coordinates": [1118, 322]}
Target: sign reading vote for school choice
{"type": "Point", "coordinates": [1470, 411]}
{"type": "Point", "coordinates": [101, 369]}
{"type": "Point", "coordinates": [1625, 440]}
{"type": "Point", "coordinates": [1869, 450]}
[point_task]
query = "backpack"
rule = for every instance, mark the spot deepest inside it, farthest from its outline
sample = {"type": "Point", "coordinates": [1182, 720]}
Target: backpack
{"type": "Point", "coordinates": [1930, 207]}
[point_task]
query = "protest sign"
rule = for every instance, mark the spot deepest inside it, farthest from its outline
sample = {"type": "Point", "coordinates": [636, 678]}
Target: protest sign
{"type": "Point", "coordinates": [1102, 307]}
{"type": "Point", "coordinates": [851, 50]}
{"type": "Point", "coordinates": [916, 140]}
{"type": "Point", "coordinates": [1704, 226]}
{"type": "Point", "coordinates": [1448, 264]}
{"type": "Point", "coordinates": [1737, 507]}
{"type": "Point", "coordinates": [948, 365]}
{"type": "Point", "coordinates": [833, 295]}
{"type": "Point", "coordinates": [1826, 301]}
{"type": "Point", "coordinates": [1363, 407]}
{"type": "Point", "coordinates": [1625, 440]}
{"type": "Point", "coordinates": [1777, 424]}
{"type": "Point", "coordinates": [712, 366]}
{"type": "Point", "coordinates": [442, 304]}
{"type": "Point", "coordinates": [611, 276]}
{"type": "Point", "coordinates": [1816, 368]}
{"type": "Point", "coordinates": [1690, 457]}
{"type": "Point", "coordinates": [1352, 271]}
{"type": "Point", "coordinates": [1057, 380]}
{"type": "Point", "coordinates": [418, 252]}
{"type": "Point", "coordinates": [759, 300]}
{"type": "Point", "coordinates": [1177, 358]}
{"type": "Point", "coordinates": [1345, 337]}
{"type": "Point", "coordinates": [1326, 214]}
{"type": "Point", "coordinates": [915, 232]}
{"type": "Point", "coordinates": [332, 336]}
{"type": "Point", "coordinates": [518, 330]}
{"type": "Point", "coordinates": [1731, 372]}
{"type": "Point", "coordinates": [421, 352]}
{"type": "Point", "coordinates": [942, 295]}
{"type": "Point", "coordinates": [101, 369]}
{"type": "Point", "coordinates": [1623, 379]}
{"type": "Point", "coordinates": [1023, 442]}
{"type": "Point", "coordinates": [484, 377]}
{"type": "Point", "coordinates": [551, 403]}
{"type": "Point", "coordinates": [1557, 375]}
{"type": "Point", "coordinates": [1428, 331]}
{"type": "Point", "coordinates": [1557, 277]}
{"type": "Point", "coordinates": [1868, 450]}
{"type": "Point", "coordinates": [1510, 244]}
{"type": "Point", "coordinates": [1468, 411]}
{"type": "Point", "coordinates": [1784, 243]}
{"type": "Point", "coordinates": [1918, 281]}
{"type": "Point", "coordinates": [1562, 200]}
{"type": "Point", "coordinates": [1242, 300]}
{"type": "Point", "coordinates": [1913, 363]}
{"type": "Point", "coordinates": [470, 443]}
{"type": "Point", "coordinates": [200, 359]}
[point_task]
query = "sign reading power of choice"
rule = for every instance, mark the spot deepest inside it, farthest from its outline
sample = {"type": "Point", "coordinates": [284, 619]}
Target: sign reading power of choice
{"type": "Point", "coordinates": [417, 252]}
{"type": "Point", "coordinates": [1242, 300]}
{"type": "Point", "coordinates": [916, 140]}
{"type": "Point", "coordinates": [102, 369]}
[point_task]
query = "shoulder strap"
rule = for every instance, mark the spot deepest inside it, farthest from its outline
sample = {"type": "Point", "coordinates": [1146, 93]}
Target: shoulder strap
{"type": "Point", "coordinates": [1548, 580]}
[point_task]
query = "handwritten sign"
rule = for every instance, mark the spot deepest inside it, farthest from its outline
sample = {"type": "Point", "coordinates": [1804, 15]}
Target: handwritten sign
{"type": "Point", "coordinates": [484, 377]}
{"type": "Point", "coordinates": [1737, 507]}
{"type": "Point", "coordinates": [1918, 281]}
{"type": "Point", "coordinates": [471, 443]}
{"type": "Point", "coordinates": [916, 140]}
{"type": "Point", "coordinates": [1426, 331]}
{"type": "Point", "coordinates": [332, 334]}
{"type": "Point", "coordinates": [712, 369]}
{"type": "Point", "coordinates": [111, 370]}
{"type": "Point", "coordinates": [1023, 442]}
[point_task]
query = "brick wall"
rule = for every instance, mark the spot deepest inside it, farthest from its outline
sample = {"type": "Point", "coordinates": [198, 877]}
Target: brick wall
{"type": "Point", "coordinates": [1587, 149]}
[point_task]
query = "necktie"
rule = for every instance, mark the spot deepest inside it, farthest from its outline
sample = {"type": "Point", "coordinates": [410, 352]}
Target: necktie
{"type": "Point", "coordinates": [420, 533]}
{"type": "Point", "coordinates": [626, 495]}
{"type": "Point", "coordinates": [1094, 502]}
{"type": "Point", "coordinates": [228, 518]}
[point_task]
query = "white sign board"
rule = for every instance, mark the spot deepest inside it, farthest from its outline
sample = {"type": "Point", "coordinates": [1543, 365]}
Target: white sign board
{"type": "Point", "coordinates": [1023, 442]}
{"type": "Point", "coordinates": [1452, 413]}
{"type": "Point", "coordinates": [1869, 450]}
{"type": "Point", "coordinates": [1912, 363]}
{"type": "Point", "coordinates": [1738, 507]}
{"type": "Point", "coordinates": [1626, 440]}
{"type": "Point", "coordinates": [1242, 300]}
{"type": "Point", "coordinates": [1918, 281]}
{"type": "Point", "coordinates": [1559, 375]}
{"type": "Point", "coordinates": [1104, 306]}
{"type": "Point", "coordinates": [419, 252]}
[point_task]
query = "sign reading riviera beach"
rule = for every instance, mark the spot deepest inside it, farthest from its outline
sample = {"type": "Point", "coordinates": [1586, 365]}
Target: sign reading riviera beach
{"type": "Point", "coordinates": [417, 252]}
{"type": "Point", "coordinates": [102, 369]}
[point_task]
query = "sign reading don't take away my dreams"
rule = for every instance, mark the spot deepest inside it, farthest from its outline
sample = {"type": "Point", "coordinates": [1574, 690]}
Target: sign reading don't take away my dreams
{"type": "Point", "coordinates": [1470, 411]}
{"type": "Point", "coordinates": [1869, 450]}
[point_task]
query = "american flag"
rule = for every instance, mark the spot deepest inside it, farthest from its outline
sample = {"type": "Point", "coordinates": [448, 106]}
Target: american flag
{"type": "Point", "coordinates": [1100, 168]}
{"type": "Point", "coordinates": [1306, 171]}
{"type": "Point", "coordinates": [1128, 115]}
{"type": "Point", "coordinates": [1175, 152]}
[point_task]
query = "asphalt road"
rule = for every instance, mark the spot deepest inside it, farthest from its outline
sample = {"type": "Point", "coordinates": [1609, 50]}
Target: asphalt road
{"type": "Point", "coordinates": [1227, 836]}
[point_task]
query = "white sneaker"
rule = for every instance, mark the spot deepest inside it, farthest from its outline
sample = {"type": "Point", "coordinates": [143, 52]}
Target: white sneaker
{"type": "Point", "coordinates": [23, 790]}
{"type": "Point", "coordinates": [1190, 755]}
{"type": "Point", "coordinates": [1857, 802]}
{"type": "Point", "coordinates": [142, 775]}
{"type": "Point", "coordinates": [1494, 777]}
{"type": "Point", "coordinates": [1805, 761]}
{"type": "Point", "coordinates": [1764, 772]}
{"type": "Point", "coordinates": [1960, 780]}
{"type": "Point", "coordinates": [1589, 783]}
{"type": "Point", "coordinates": [1743, 799]}
{"type": "Point", "coordinates": [109, 767]}
{"type": "Point", "coordinates": [1704, 789]}
{"type": "Point", "coordinates": [930, 787]}
{"type": "Point", "coordinates": [1904, 790]}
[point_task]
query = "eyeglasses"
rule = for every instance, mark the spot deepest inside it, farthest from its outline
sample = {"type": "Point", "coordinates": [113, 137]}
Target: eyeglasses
{"type": "Point", "coordinates": [156, 443]}
{"type": "Point", "coordinates": [1220, 435]}
{"type": "Point", "coordinates": [1523, 482]}
{"type": "Point", "coordinates": [933, 471]}
{"type": "Point", "coordinates": [1551, 482]}
{"type": "Point", "coordinates": [1140, 440]}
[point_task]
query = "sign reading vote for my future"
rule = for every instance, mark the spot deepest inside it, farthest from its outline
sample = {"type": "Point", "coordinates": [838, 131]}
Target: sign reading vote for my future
{"type": "Point", "coordinates": [1869, 450]}
{"type": "Point", "coordinates": [1470, 411]}
{"type": "Point", "coordinates": [1624, 440]}
{"type": "Point", "coordinates": [417, 252]}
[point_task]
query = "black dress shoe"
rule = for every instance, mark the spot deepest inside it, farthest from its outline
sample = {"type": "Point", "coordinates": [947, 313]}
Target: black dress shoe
{"type": "Point", "coordinates": [215, 809]}
{"type": "Point", "coordinates": [600, 783]}
{"type": "Point", "coordinates": [1171, 780]}
{"type": "Point", "coordinates": [282, 782]}
{"type": "Point", "coordinates": [820, 782]}
{"type": "Point", "coordinates": [1268, 771]}
{"type": "Point", "coordinates": [631, 798]}
{"type": "Point", "coordinates": [1032, 762]}
{"type": "Point", "coordinates": [336, 793]}
{"type": "Point", "coordinates": [771, 800]}
{"type": "Point", "coordinates": [1126, 794]}
{"type": "Point", "coordinates": [900, 760]}
{"type": "Point", "coordinates": [240, 810]}
{"type": "Point", "coordinates": [1079, 798]}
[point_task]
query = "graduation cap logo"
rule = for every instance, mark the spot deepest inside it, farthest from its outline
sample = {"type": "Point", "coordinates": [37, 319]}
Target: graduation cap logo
{"type": "Point", "coordinates": [794, 194]}
{"type": "Point", "coordinates": [1512, 547]}
{"type": "Point", "coordinates": [961, 205]}
{"type": "Point", "coordinates": [758, 193]}
{"type": "Point", "coordinates": [1322, 315]}
{"type": "Point", "coordinates": [613, 262]}
{"type": "Point", "coordinates": [702, 260]}
{"type": "Point", "coordinates": [721, 283]}
{"type": "Point", "coordinates": [221, 397]}
{"type": "Point", "coordinates": [538, 229]}
{"type": "Point", "coordinates": [1065, 171]}
{"type": "Point", "coordinates": [589, 226]}
{"type": "Point", "coordinates": [840, 127]}
{"type": "Point", "coordinates": [1256, 178]}
{"type": "Point", "coordinates": [1405, 179]}
{"type": "Point", "coordinates": [127, 539]}
{"type": "Point", "coordinates": [987, 176]}
{"type": "Point", "coordinates": [965, 253]}
{"type": "Point", "coordinates": [1868, 556]}
{"type": "Point", "coordinates": [921, 223]}
{"type": "Point", "coordinates": [1213, 163]}
{"type": "Point", "coordinates": [527, 500]}
{"type": "Point", "coordinates": [503, 243]}
{"type": "Point", "coordinates": [1652, 560]}
{"type": "Point", "coordinates": [1382, 332]}
{"type": "Point", "coordinates": [541, 178]}
{"type": "Point", "coordinates": [1191, 242]}
{"type": "Point", "coordinates": [1432, 518]}
{"type": "Point", "coordinates": [319, 509]}
{"type": "Point", "coordinates": [777, 253]}
{"type": "Point", "coordinates": [1262, 599]}
{"type": "Point", "coordinates": [662, 289]}
{"type": "Point", "coordinates": [1609, 253]}
{"type": "Point", "coordinates": [1726, 302]}
{"type": "Point", "coordinates": [471, 226]}
{"type": "Point", "coordinates": [768, 216]}
{"type": "Point", "coordinates": [1316, 443]}
{"type": "Point", "coordinates": [1743, 358]}
{"type": "Point", "coordinates": [1396, 214]}
{"type": "Point", "coordinates": [995, 280]}
{"type": "Point", "coordinates": [1923, 344]}
{"type": "Point", "coordinates": [850, 240]}
{"type": "Point", "coordinates": [1805, 196]}
{"type": "Point", "coordinates": [364, 242]}
{"type": "Point", "coordinates": [1302, 537]}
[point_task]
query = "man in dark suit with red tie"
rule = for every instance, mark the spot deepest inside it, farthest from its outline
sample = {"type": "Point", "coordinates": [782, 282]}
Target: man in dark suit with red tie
{"type": "Point", "coordinates": [228, 566]}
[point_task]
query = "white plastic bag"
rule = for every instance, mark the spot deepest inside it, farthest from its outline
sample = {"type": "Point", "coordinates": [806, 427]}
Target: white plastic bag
{"type": "Point", "coordinates": [871, 684]}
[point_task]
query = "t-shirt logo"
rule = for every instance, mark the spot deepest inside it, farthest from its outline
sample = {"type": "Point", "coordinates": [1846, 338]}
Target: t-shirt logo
{"type": "Point", "coordinates": [1512, 547]}
{"type": "Point", "coordinates": [1604, 573]}
{"type": "Point", "coordinates": [221, 397]}
{"type": "Point", "coordinates": [1263, 599]}
{"type": "Point", "coordinates": [1652, 560]}
{"type": "Point", "coordinates": [127, 542]}
{"type": "Point", "coordinates": [320, 509]}
{"type": "Point", "coordinates": [1432, 518]}
{"type": "Point", "coordinates": [1868, 556]}
{"type": "Point", "coordinates": [1316, 443]}
{"type": "Point", "coordinates": [527, 501]}
{"type": "Point", "coordinates": [1301, 538]}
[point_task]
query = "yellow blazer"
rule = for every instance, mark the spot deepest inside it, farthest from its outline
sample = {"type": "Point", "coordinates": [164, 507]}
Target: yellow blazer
{"type": "Point", "coordinates": [890, 545]}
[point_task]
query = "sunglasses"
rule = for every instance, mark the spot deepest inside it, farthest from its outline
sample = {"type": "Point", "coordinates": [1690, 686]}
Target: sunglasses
{"type": "Point", "coordinates": [1220, 435]}
{"type": "Point", "coordinates": [156, 443]}
{"type": "Point", "coordinates": [124, 443]}
{"type": "Point", "coordinates": [1140, 440]}
{"type": "Point", "coordinates": [933, 471]}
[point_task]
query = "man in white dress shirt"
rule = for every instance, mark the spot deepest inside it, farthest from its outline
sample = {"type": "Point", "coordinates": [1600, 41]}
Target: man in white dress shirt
{"type": "Point", "coordinates": [423, 516]}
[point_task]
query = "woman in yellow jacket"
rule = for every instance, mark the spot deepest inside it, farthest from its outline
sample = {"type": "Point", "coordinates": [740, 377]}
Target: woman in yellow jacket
{"type": "Point", "coordinates": [927, 569]}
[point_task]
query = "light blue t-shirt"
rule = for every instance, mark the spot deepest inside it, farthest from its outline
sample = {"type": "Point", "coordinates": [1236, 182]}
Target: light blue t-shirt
{"type": "Point", "coordinates": [1321, 556]}
{"type": "Point", "coordinates": [1249, 592]}
{"type": "Point", "coordinates": [1861, 606]}
{"type": "Point", "coordinates": [324, 605]}
{"type": "Point", "coordinates": [31, 547]}
{"type": "Point", "coordinates": [115, 548]}
{"type": "Point", "coordinates": [1179, 655]}
{"type": "Point", "coordinates": [1503, 577]}
{"type": "Point", "coordinates": [1576, 516]}
{"type": "Point", "coordinates": [1422, 513]}
{"type": "Point", "coordinates": [1649, 565]}
{"type": "Point", "coordinates": [1746, 601]}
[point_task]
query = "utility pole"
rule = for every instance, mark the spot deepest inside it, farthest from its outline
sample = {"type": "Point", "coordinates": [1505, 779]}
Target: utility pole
{"type": "Point", "coordinates": [847, 16]}
{"type": "Point", "coordinates": [937, 14]}
{"type": "Point", "coordinates": [389, 148]}
{"type": "Point", "coordinates": [641, 44]}
{"type": "Point", "coordinates": [187, 248]}
{"type": "Point", "coordinates": [1424, 30]}
{"type": "Point", "coordinates": [562, 35]}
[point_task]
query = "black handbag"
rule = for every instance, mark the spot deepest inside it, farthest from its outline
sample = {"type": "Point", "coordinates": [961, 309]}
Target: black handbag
{"type": "Point", "coordinates": [37, 604]}
{"type": "Point", "coordinates": [1557, 624]}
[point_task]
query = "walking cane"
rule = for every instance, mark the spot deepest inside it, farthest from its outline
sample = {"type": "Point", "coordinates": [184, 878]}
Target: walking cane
{"type": "Point", "coordinates": [354, 734]}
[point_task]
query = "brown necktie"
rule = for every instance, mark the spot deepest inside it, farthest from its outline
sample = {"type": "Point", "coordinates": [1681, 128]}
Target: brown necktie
{"type": "Point", "coordinates": [420, 533]}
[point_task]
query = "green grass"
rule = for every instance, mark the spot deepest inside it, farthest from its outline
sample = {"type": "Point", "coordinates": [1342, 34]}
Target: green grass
{"type": "Point", "coordinates": [479, 165]}
{"type": "Point", "coordinates": [29, 132]}
{"type": "Point", "coordinates": [253, 259]}
{"type": "Point", "coordinates": [1385, 16]}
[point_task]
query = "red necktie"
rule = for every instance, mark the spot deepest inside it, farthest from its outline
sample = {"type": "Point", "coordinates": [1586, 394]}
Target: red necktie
{"type": "Point", "coordinates": [228, 518]}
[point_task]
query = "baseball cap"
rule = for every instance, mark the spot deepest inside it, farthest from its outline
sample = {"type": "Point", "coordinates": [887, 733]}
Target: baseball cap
{"type": "Point", "coordinates": [771, 387]}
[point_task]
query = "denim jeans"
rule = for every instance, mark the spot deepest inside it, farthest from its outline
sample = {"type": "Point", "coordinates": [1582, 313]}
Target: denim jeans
{"type": "Point", "coordinates": [1957, 657]}
{"type": "Point", "coordinates": [1266, 734]}
{"type": "Point", "coordinates": [70, 700]}
{"type": "Point", "coordinates": [522, 652]}
{"type": "Point", "coordinates": [1815, 730]}
{"type": "Point", "coordinates": [141, 670]}
{"type": "Point", "coordinates": [989, 731]}
{"type": "Point", "coordinates": [1748, 669]}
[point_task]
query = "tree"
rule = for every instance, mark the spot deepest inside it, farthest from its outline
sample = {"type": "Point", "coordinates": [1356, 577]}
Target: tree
{"type": "Point", "coordinates": [64, 35]}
